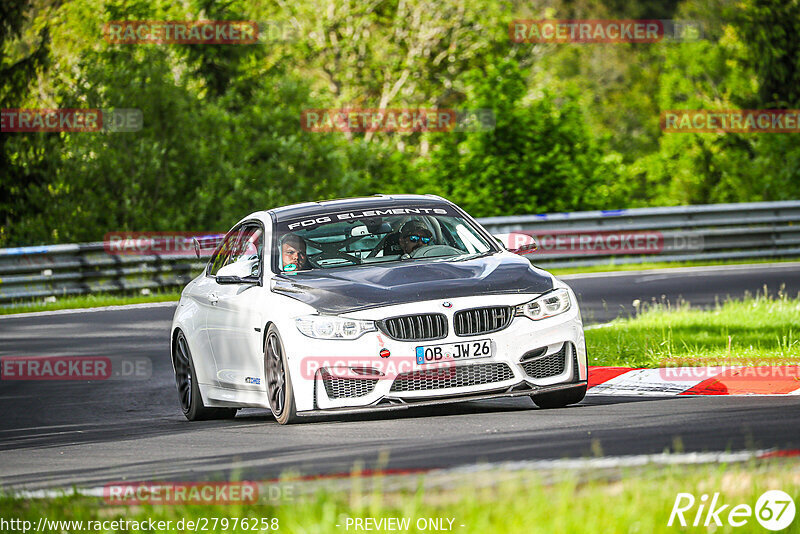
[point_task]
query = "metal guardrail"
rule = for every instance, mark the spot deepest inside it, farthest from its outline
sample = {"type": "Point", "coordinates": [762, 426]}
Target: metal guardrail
{"type": "Point", "coordinates": [759, 230]}
{"type": "Point", "coordinates": [78, 269]}
{"type": "Point", "coordinates": [711, 232]}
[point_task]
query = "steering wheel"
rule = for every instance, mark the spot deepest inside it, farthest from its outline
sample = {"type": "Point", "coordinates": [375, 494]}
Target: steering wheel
{"type": "Point", "coordinates": [337, 254]}
{"type": "Point", "coordinates": [432, 251]}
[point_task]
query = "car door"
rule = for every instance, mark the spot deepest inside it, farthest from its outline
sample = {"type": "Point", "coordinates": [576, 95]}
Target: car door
{"type": "Point", "coordinates": [203, 293]}
{"type": "Point", "coordinates": [234, 320]}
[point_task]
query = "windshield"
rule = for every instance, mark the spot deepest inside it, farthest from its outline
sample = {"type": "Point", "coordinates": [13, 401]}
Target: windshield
{"type": "Point", "coordinates": [339, 239]}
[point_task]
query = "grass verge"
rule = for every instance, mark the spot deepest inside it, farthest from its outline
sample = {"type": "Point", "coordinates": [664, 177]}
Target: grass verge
{"type": "Point", "coordinates": [630, 500]}
{"type": "Point", "coordinates": [612, 268]}
{"type": "Point", "coordinates": [89, 301]}
{"type": "Point", "coordinates": [759, 329]}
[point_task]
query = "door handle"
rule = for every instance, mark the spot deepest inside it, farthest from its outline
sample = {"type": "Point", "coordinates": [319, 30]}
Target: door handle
{"type": "Point", "coordinates": [213, 298]}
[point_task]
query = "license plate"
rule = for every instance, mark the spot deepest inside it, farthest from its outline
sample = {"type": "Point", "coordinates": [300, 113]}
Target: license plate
{"type": "Point", "coordinates": [466, 350]}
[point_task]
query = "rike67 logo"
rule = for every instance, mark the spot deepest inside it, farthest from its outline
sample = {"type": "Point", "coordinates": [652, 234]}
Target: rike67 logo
{"type": "Point", "coordinates": [774, 510]}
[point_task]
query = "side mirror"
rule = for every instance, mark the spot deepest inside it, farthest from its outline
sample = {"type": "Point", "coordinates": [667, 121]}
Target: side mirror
{"type": "Point", "coordinates": [241, 272]}
{"type": "Point", "coordinates": [518, 242]}
{"type": "Point", "coordinates": [530, 245]}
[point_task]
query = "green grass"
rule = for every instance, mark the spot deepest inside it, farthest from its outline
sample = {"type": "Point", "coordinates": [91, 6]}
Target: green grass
{"type": "Point", "coordinates": [613, 501]}
{"type": "Point", "coordinates": [752, 330]}
{"type": "Point", "coordinates": [89, 301]}
{"type": "Point", "coordinates": [611, 267]}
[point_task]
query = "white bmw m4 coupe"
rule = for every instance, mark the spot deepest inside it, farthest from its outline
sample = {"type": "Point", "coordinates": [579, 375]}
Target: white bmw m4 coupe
{"type": "Point", "coordinates": [368, 304]}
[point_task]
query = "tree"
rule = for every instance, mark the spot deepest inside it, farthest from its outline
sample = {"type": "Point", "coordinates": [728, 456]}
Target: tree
{"type": "Point", "coordinates": [540, 156]}
{"type": "Point", "coordinates": [23, 164]}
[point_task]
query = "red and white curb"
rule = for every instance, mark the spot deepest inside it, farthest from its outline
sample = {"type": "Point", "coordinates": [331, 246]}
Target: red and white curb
{"type": "Point", "coordinates": [668, 381]}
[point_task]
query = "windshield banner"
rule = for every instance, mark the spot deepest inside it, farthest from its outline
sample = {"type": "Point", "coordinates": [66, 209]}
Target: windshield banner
{"type": "Point", "coordinates": [314, 221]}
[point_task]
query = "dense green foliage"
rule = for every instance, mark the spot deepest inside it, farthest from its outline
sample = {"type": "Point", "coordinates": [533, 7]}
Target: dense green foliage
{"type": "Point", "coordinates": [577, 125]}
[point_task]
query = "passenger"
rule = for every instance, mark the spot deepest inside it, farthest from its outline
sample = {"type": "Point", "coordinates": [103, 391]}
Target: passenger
{"type": "Point", "coordinates": [413, 235]}
{"type": "Point", "coordinates": [293, 253]}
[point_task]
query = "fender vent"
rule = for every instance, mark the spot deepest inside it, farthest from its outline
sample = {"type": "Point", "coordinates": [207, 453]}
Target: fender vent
{"type": "Point", "coordinates": [545, 366]}
{"type": "Point", "coordinates": [345, 388]}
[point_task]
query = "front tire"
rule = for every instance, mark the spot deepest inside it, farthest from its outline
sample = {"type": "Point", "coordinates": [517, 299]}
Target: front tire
{"type": "Point", "coordinates": [560, 399]}
{"type": "Point", "coordinates": [279, 383]}
{"type": "Point", "coordinates": [188, 389]}
{"type": "Point", "coordinates": [565, 397]}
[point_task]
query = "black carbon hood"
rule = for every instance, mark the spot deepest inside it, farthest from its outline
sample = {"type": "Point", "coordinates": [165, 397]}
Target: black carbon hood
{"type": "Point", "coordinates": [347, 289]}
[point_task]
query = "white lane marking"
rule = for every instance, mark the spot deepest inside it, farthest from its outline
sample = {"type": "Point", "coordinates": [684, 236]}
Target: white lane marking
{"type": "Point", "coordinates": [617, 461]}
{"type": "Point", "coordinates": [594, 326]}
{"type": "Point", "coordinates": [54, 494]}
{"type": "Point", "coordinates": [91, 310]}
{"type": "Point", "coordinates": [604, 462]}
{"type": "Point", "coordinates": [684, 270]}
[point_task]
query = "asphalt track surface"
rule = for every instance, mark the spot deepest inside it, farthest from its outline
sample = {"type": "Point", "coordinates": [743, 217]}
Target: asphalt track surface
{"type": "Point", "coordinates": [58, 434]}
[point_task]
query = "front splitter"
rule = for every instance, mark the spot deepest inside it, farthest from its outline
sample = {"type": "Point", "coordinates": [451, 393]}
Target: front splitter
{"type": "Point", "coordinates": [399, 404]}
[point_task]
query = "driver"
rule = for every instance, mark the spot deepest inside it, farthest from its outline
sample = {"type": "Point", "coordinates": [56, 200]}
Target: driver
{"type": "Point", "coordinates": [293, 253]}
{"type": "Point", "coordinates": [413, 235]}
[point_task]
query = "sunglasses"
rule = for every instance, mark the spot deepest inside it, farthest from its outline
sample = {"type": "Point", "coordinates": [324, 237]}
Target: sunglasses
{"type": "Point", "coordinates": [415, 238]}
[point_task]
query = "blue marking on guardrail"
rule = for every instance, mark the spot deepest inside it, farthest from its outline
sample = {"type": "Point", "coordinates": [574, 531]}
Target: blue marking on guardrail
{"type": "Point", "coordinates": [546, 216]}
{"type": "Point", "coordinates": [611, 213]}
{"type": "Point", "coordinates": [25, 250]}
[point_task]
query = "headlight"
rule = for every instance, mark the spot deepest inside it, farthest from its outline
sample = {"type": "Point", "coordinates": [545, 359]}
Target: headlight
{"type": "Point", "coordinates": [547, 305]}
{"type": "Point", "coordinates": [332, 327]}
